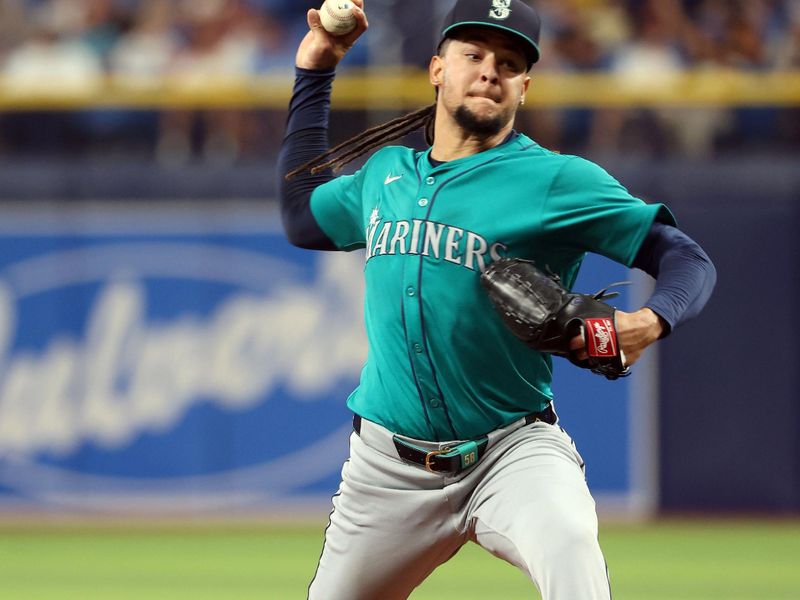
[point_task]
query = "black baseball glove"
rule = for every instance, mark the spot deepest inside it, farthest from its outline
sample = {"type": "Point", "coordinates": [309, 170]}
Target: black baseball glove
{"type": "Point", "coordinates": [544, 315]}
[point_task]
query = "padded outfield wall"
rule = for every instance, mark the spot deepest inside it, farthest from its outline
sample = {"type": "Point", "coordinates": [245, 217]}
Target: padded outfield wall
{"type": "Point", "coordinates": [183, 358]}
{"type": "Point", "coordinates": [180, 358]}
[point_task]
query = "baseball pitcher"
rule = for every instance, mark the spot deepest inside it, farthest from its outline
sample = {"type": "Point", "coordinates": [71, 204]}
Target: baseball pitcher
{"type": "Point", "coordinates": [471, 249]}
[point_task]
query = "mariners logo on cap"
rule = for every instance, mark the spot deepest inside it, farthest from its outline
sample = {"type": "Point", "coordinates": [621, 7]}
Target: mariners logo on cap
{"type": "Point", "coordinates": [500, 9]}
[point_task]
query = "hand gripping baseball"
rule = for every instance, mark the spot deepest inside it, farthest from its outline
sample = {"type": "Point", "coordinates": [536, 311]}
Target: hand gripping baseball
{"type": "Point", "coordinates": [322, 50]}
{"type": "Point", "coordinates": [544, 315]}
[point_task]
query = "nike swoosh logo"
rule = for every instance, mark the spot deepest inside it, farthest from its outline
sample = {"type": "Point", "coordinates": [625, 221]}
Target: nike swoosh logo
{"type": "Point", "coordinates": [390, 179]}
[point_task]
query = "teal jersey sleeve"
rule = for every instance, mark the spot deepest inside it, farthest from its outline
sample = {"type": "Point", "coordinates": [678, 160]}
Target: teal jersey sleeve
{"type": "Point", "coordinates": [588, 210]}
{"type": "Point", "coordinates": [337, 207]}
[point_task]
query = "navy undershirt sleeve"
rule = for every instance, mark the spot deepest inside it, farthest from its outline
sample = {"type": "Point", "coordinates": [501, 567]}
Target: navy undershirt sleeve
{"type": "Point", "coordinates": [306, 137]}
{"type": "Point", "coordinates": [684, 274]}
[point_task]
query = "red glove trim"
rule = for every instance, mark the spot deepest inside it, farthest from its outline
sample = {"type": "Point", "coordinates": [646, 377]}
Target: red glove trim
{"type": "Point", "coordinates": [601, 338]}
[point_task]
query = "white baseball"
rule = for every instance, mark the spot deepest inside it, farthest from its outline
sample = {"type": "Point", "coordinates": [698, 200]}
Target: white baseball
{"type": "Point", "coordinates": [337, 17]}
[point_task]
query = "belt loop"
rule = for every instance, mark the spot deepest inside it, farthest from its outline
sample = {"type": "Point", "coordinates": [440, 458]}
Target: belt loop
{"type": "Point", "coordinates": [548, 415]}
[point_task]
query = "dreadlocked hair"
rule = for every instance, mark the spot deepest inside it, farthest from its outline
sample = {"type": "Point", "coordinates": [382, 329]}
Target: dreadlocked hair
{"type": "Point", "coordinates": [338, 157]}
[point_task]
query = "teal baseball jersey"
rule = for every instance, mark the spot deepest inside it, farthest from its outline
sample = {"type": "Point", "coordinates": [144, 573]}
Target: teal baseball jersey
{"type": "Point", "coordinates": [441, 363]}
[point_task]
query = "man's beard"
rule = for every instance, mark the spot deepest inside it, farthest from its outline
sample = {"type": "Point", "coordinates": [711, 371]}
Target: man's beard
{"type": "Point", "coordinates": [483, 127]}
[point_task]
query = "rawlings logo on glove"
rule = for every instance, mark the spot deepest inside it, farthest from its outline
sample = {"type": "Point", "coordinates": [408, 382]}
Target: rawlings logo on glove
{"type": "Point", "coordinates": [544, 315]}
{"type": "Point", "coordinates": [601, 339]}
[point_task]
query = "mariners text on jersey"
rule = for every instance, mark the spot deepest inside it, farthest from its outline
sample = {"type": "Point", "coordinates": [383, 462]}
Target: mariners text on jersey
{"type": "Point", "coordinates": [428, 238]}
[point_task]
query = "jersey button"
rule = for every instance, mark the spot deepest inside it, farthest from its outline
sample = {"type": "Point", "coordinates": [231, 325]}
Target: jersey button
{"type": "Point", "coordinates": [435, 403]}
{"type": "Point", "coordinates": [423, 202]}
{"type": "Point", "coordinates": [410, 290]}
{"type": "Point", "coordinates": [418, 348]}
{"type": "Point", "coordinates": [430, 180]}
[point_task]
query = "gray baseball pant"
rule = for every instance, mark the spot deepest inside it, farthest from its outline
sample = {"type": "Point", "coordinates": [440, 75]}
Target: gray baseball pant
{"type": "Point", "coordinates": [526, 501]}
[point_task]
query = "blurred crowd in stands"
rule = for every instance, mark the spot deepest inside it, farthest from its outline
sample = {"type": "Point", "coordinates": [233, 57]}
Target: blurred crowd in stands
{"type": "Point", "coordinates": [79, 42]}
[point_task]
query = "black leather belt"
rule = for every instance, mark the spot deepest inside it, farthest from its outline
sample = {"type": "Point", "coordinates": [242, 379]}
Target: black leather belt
{"type": "Point", "coordinates": [458, 458]}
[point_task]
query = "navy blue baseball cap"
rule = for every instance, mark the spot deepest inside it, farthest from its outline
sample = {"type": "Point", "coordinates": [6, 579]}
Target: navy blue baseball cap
{"type": "Point", "coordinates": [512, 16]}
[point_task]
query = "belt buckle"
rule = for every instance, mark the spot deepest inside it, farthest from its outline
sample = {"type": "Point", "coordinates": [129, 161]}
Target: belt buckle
{"type": "Point", "coordinates": [430, 456]}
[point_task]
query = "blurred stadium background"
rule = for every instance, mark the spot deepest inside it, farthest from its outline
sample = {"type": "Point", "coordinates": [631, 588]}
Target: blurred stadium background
{"type": "Point", "coordinates": [173, 374]}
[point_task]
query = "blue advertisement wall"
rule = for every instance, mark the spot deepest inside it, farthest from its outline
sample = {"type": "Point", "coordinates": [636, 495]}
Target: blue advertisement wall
{"type": "Point", "coordinates": [174, 358]}
{"type": "Point", "coordinates": [158, 359]}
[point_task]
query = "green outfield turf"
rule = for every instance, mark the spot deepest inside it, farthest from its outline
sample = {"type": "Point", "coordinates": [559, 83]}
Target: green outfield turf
{"type": "Point", "coordinates": [731, 560]}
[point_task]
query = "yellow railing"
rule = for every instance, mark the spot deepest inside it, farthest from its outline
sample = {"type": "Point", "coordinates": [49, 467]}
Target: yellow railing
{"type": "Point", "coordinates": [404, 89]}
